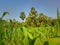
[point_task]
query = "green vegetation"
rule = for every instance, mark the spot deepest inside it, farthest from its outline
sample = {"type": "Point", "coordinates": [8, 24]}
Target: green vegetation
{"type": "Point", "coordinates": [37, 29]}
{"type": "Point", "coordinates": [54, 41]}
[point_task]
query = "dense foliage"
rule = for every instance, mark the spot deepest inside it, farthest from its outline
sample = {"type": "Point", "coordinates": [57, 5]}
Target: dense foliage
{"type": "Point", "coordinates": [37, 29]}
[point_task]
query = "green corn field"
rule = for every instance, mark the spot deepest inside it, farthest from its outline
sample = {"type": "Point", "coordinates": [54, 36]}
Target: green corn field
{"type": "Point", "coordinates": [31, 32]}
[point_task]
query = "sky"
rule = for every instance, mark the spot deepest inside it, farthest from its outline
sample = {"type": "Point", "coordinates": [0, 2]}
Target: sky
{"type": "Point", "coordinates": [14, 7]}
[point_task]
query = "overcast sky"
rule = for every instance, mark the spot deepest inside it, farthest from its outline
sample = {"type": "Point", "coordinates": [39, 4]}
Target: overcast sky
{"type": "Point", "coordinates": [14, 7]}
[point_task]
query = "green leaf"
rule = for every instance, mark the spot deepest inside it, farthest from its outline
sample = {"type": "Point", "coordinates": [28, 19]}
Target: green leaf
{"type": "Point", "coordinates": [30, 36]}
{"type": "Point", "coordinates": [26, 41]}
{"type": "Point", "coordinates": [37, 42]}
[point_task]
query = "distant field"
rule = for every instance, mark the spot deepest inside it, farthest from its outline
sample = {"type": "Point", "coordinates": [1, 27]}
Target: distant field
{"type": "Point", "coordinates": [54, 41]}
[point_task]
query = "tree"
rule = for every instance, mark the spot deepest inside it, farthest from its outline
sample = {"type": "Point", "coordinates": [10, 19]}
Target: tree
{"type": "Point", "coordinates": [57, 13]}
{"type": "Point", "coordinates": [58, 22]}
{"type": "Point", "coordinates": [22, 15]}
{"type": "Point", "coordinates": [33, 13]}
{"type": "Point", "coordinates": [31, 19]}
{"type": "Point", "coordinates": [4, 13]}
{"type": "Point", "coordinates": [42, 18]}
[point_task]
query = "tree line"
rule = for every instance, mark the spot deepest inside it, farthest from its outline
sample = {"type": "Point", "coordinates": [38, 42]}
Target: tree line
{"type": "Point", "coordinates": [34, 19]}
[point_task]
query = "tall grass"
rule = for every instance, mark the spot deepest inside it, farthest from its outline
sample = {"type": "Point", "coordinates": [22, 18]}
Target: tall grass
{"type": "Point", "coordinates": [25, 35]}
